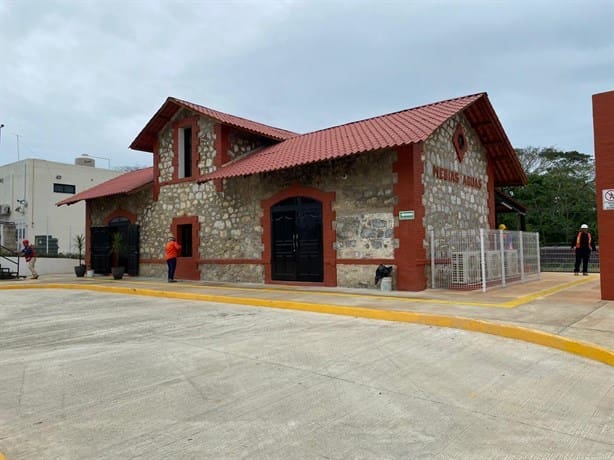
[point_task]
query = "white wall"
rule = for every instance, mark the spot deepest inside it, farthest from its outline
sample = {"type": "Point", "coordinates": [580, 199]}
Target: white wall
{"type": "Point", "coordinates": [44, 266]}
{"type": "Point", "coordinates": [41, 216]}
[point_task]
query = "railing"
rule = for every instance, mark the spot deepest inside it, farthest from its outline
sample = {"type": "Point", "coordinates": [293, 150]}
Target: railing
{"type": "Point", "coordinates": [561, 259]}
{"type": "Point", "coordinates": [479, 259]}
{"type": "Point", "coordinates": [6, 272]}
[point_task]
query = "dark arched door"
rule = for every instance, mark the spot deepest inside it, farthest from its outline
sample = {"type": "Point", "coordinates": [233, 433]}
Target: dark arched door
{"type": "Point", "coordinates": [101, 246]}
{"type": "Point", "coordinates": [296, 226]}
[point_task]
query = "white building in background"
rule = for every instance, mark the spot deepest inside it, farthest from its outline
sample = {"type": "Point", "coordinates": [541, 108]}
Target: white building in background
{"type": "Point", "coordinates": [29, 190]}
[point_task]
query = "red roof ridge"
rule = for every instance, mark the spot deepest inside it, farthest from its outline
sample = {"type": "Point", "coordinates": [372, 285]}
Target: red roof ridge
{"type": "Point", "coordinates": [417, 108]}
{"type": "Point", "coordinates": [221, 114]}
{"type": "Point", "coordinates": [390, 130]}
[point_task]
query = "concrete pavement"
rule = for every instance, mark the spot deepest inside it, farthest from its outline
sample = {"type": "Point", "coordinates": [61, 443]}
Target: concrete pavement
{"type": "Point", "coordinates": [558, 310]}
{"type": "Point", "coordinates": [87, 373]}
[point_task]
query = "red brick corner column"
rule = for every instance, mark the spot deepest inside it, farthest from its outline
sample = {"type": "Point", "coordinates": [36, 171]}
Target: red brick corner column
{"type": "Point", "coordinates": [410, 256]}
{"type": "Point", "coordinates": [603, 126]}
{"type": "Point", "coordinates": [88, 233]}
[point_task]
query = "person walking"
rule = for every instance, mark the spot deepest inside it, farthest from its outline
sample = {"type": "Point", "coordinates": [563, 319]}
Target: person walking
{"type": "Point", "coordinates": [171, 252]}
{"type": "Point", "coordinates": [582, 244]}
{"type": "Point", "coordinates": [30, 255]}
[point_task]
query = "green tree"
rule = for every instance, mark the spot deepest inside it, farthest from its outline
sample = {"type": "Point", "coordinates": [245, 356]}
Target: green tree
{"type": "Point", "coordinates": [560, 194]}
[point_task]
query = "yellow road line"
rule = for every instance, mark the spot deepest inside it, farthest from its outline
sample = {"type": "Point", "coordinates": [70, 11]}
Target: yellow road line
{"type": "Point", "coordinates": [585, 349]}
{"type": "Point", "coordinates": [543, 293]}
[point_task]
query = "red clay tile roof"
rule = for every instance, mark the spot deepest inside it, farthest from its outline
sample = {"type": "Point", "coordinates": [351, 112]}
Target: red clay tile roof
{"type": "Point", "coordinates": [148, 135]}
{"type": "Point", "coordinates": [125, 183]}
{"type": "Point", "coordinates": [386, 131]}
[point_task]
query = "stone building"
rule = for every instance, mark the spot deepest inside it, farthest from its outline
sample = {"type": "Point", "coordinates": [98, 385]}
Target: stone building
{"type": "Point", "coordinates": [253, 203]}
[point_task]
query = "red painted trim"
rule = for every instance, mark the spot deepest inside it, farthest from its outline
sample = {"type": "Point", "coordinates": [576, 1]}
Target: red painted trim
{"type": "Point", "coordinates": [461, 150]}
{"type": "Point", "coordinates": [156, 170]}
{"type": "Point", "coordinates": [231, 261]}
{"type": "Point", "coordinates": [191, 122]}
{"type": "Point", "coordinates": [121, 213]}
{"type": "Point", "coordinates": [152, 261]}
{"type": "Point", "coordinates": [409, 189]}
{"type": "Point", "coordinates": [187, 267]}
{"type": "Point", "coordinates": [603, 128]}
{"type": "Point", "coordinates": [365, 261]}
{"type": "Point", "coordinates": [222, 144]}
{"type": "Point", "coordinates": [328, 233]}
{"type": "Point", "coordinates": [88, 238]}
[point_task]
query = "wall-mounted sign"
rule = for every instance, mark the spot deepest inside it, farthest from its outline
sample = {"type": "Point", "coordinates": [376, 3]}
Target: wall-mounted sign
{"type": "Point", "coordinates": [406, 215]}
{"type": "Point", "coordinates": [608, 199]}
{"type": "Point", "coordinates": [456, 177]}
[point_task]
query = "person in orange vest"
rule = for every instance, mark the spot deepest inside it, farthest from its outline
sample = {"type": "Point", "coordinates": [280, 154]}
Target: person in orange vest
{"type": "Point", "coordinates": [171, 251]}
{"type": "Point", "coordinates": [582, 244]}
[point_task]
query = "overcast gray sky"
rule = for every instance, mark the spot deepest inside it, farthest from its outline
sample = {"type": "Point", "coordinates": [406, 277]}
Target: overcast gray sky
{"type": "Point", "coordinates": [82, 76]}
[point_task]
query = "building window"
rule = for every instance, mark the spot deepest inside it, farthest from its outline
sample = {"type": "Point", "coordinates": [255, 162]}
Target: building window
{"type": "Point", "coordinates": [185, 152]}
{"type": "Point", "coordinates": [459, 140]}
{"type": "Point", "coordinates": [64, 188]}
{"type": "Point", "coordinates": [185, 239]}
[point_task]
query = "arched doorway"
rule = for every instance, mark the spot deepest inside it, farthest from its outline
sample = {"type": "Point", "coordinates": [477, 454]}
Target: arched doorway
{"type": "Point", "coordinates": [296, 240]}
{"type": "Point", "coordinates": [101, 245]}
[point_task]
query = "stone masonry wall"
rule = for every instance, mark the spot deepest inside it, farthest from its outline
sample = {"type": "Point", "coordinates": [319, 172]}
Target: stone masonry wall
{"type": "Point", "coordinates": [451, 205]}
{"type": "Point", "coordinates": [448, 204]}
{"type": "Point", "coordinates": [241, 143]}
{"type": "Point", "coordinates": [230, 221]}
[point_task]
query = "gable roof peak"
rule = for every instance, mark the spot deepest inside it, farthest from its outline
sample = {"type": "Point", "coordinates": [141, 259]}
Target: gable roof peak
{"type": "Point", "coordinates": [147, 137]}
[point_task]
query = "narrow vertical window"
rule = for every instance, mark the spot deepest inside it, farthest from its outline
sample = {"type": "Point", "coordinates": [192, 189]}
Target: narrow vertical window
{"type": "Point", "coordinates": [185, 152]}
{"type": "Point", "coordinates": [185, 239]}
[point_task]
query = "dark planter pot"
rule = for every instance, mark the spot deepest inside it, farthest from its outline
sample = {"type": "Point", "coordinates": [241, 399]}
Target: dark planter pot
{"type": "Point", "coordinates": [118, 272]}
{"type": "Point", "coordinates": [80, 271]}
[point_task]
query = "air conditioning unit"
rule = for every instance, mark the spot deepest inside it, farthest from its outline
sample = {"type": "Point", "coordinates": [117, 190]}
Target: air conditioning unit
{"type": "Point", "coordinates": [512, 266]}
{"type": "Point", "coordinates": [83, 161]}
{"type": "Point", "coordinates": [493, 265]}
{"type": "Point", "coordinates": [5, 209]}
{"type": "Point", "coordinates": [466, 267]}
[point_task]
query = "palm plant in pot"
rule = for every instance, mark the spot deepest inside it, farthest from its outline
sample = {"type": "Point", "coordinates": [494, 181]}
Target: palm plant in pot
{"type": "Point", "coordinates": [80, 243]}
{"type": "Point", "coordinates": [117, 249]}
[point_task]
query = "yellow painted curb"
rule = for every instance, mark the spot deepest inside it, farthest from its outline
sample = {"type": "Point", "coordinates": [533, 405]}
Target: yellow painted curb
{"type": "Point", "coordinates": [585, 349]}
{"type": "Point", "coordinates": [2, 457]}
{"type": "Point", "coordinates": [543, 293]}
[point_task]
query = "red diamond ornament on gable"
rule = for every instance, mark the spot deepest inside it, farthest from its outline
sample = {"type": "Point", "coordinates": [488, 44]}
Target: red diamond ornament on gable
{"type": "Point", "coordinates": [460, 142]}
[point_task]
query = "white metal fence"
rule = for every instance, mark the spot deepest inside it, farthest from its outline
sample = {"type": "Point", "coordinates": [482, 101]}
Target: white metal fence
{"type": "Point", "coordinates": [478, 259]}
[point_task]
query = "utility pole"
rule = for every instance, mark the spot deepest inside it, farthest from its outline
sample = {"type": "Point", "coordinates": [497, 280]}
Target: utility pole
{"type": "Point", "coordinates": [17, 136]}
{"type": "Point", "coordinates": [1, 126]}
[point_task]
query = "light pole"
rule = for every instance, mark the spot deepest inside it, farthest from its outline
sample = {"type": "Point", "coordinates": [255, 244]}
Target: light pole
{"type": "Point", "coordinates": [100, 158]}
{"type": "Point", "coordinates": [1, 126]}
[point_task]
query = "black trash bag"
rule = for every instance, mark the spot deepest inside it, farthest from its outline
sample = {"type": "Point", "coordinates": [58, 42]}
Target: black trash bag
{"type": "Point", "coordinates": [382, 272]}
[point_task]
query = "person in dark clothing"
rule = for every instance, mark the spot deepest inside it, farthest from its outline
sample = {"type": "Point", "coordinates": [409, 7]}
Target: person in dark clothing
{"type": "Point", "coordinates": [582, 244]}
{"type": "Point", "coordinates": [30, 255]}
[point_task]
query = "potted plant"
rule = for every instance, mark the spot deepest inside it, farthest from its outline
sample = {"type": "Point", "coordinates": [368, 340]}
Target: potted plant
{"type": "Point", "coordinates": [117, 249]}
{"type": "Point", "coordinates": [80, 269]}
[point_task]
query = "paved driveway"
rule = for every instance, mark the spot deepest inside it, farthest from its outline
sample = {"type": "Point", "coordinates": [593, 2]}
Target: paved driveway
{"type": "Point", "coordinates": [87, 375]}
